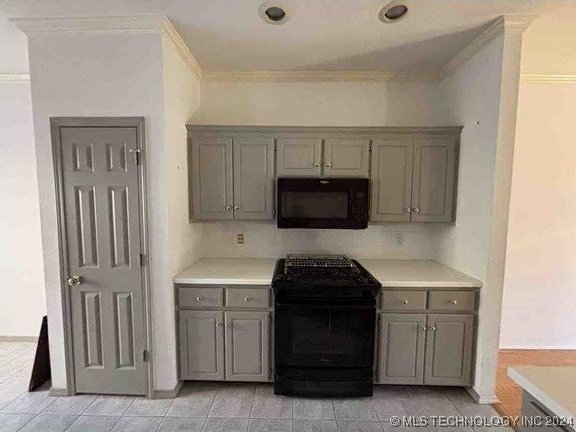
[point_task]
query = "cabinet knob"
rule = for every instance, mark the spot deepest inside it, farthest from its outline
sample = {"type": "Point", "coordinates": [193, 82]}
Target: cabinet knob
{"type": "Point", "coordinates": [407, 209]}
{"type": "Point", "coordinates": [247, 299]}
{"type": "Point", "coordinates": [423, 328]}
{"type": "Point", "coordinates": [416, 209]}
{"type": "Point", "coordinates": [433, 328]}
{"type": "Point", "coordinates": [228, 208]}
{"type": "Point", "coordinates": [454, 302]}
{"type": "Point", "coordinates": [316, 164]}
{"type": "Point", "coordinates": [328, 164]}
{"type": "Point", "coordinates": [405, 302]}
{"type": "Point", "coordinates": [200, 298]}
{"type": "Point", "coordinates": [219, 325]}
{"type": "Point", "coordinates": [228, 324]}
{"type": "Point", "coordinates": [237, 207]}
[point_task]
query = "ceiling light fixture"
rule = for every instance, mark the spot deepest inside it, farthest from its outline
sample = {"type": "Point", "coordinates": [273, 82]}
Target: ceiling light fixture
{"type": "Point", "coordinates": [393, 12]}
{"type": "Point", "coordinates": [274, 12]}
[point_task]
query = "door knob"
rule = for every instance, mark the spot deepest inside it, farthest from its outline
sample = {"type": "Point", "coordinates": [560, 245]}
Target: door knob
{"type": "Point", "coordinates": [75, 280]}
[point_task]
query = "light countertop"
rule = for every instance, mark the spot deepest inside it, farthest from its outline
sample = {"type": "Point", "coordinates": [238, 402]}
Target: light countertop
{"type": "Point", "coordinates": [259, 271]}
{"type": "Point", "coordinates": [552, 386]}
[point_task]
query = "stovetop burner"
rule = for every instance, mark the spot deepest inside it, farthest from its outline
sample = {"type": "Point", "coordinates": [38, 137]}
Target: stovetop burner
{"type": "Point", "coordinates": [330, 261]}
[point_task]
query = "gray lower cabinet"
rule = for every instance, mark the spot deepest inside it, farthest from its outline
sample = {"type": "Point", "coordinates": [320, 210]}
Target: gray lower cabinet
{"type": "Point", "coordinates": [201, 345]}
{"type": "Point", "coordinates": [299, 156]}
{"type": "Point", "coordinates": [402, 344]}
{"type": "Point", "coordinates": [449, 348]}
{"type": "Point", "coordinates": [247, 346]}
{"type": "Point", "coordinates": [224, 345]}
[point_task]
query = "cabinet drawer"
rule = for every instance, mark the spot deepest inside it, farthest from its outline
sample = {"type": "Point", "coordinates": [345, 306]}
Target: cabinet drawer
{"type": "Point", "coordinates": [403, 300]}
{"type": "Point", "coordinates": [452, 300]}
{"type": "Point", "coordinates": [200, 297]}
{"type": "Point", "coordinates": [247, 297]}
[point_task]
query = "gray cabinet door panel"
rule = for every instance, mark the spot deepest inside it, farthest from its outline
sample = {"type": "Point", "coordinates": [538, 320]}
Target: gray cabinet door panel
{"type": "Point", "coordinates": [201, 336]}
{"type": "Point", "coordinates": [391, 176]}
{"type": "Point", "coordinates": [253, 178]}
{"type": "Point", "coordinates": [299, 156]}
{"type": "Point", "coordinates": [346, 157]}
{"type": "Point", "coordinates": [101, 205]}
{"type": "Point", "coordinates": [433, 180]}
{"type": "Point", "coordinates": [247, 346]}
{"type": "Point", "coordinates": [402, 347]}
{"type": "Point", "coordinates": [212, 178]}
{"type": "Point", "coordinates": [449, 347]}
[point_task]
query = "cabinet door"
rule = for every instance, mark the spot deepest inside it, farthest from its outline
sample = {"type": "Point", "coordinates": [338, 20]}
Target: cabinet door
{"type": "Point", "coordinates": [402, 346]}
{"type": "Point", "coordinates": [253, 178]}
{"type": "Point", "coordinates": [391, 176]}
{"type": "Point", "coordinates": [346, 157]}
{"type": "Point", "coordinates": [201, 336]}
{"type": "Point", "coordinates": [449, 346]}
{"type": "Point", "coordinates": [247, 346]}
{"type": "Point", "coordinates": [299, 156]}
{"type": "Point", "coordinates": [433, 180]}
{"type": "Point", "coordinates": [212, 178]}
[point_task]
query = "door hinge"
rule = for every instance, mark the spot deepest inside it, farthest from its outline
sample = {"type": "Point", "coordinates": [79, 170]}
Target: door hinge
{"type": "Point", "coordinates": [141, 260]}
{"type": "Point", "coordinates": [145, 355]}
{"type": "Point", "coordinates": [137, 155]}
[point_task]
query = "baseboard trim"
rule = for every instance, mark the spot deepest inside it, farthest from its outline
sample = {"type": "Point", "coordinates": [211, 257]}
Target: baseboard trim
{"type": "Point", "coordinates": [18, 338]}
{"type": "Point", "coordinates": [55, 391]}
{"type": "Point", "coordinates": [168, 394]}
{"type": "Point", "coordinates": [482, 399]}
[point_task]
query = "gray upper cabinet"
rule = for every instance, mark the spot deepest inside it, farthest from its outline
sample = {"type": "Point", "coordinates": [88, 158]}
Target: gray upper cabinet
{"type": "Point", "coordinates": [346, 157]}
{"type": "Point", "coordinates": [391, 176]}
{"type": "Point", "coordinates": [402, 344]}
{"type": "Point", "coordinates": [247, 346]}
{"type": "Point", "coordinates": [201, 335]}
{"type": "Point", "coordinates": [449, 348]}
{"type": "Point", "coordinates": [299, 156]}
{"type": "Point", "coordinates": [433, 179]}
{"type": "Point", "coordinates": [254, 178]}
{"type": "Point", "coordinates": [212, 181]}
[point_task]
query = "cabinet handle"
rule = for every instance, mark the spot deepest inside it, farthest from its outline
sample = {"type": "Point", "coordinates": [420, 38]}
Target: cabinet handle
{"type": "Point", "coordinates": [405, 302]}
{"type": "Point", "coordinates": [237, 207]}
{"type": "Point", "coordinates": [328, 164]}
{"type": "Point", "coordinates": [433, 328]}
{"type": "Point", "coordinates": [423, 328]}
{"type": "Point", "coordinates": [219, 325]}
{"type": "Point", "coordinates": [316, 164]}
{"type": "Point", "coordinates": [200, 298]}
{"type": "Point", "coordinates": [454, 302]}
{"type": "Point", "coordinates": [247, 299]}
{"type": "Point", "coordinates": [416, 210]}
{"type": "Point", "coordinates": [228, 208]}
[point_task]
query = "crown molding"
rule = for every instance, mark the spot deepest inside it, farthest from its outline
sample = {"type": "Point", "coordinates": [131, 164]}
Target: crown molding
{"type": "Point", "coordinates": [549, 78]}
{"type": "Point", "coordinates": [123, 24]}
{"type": "Point", "coordinates": [504, 24]}
{"type": "Point", "coordinates": [14, 77]}
{"type": "Point", "coordinates": [318, 76]}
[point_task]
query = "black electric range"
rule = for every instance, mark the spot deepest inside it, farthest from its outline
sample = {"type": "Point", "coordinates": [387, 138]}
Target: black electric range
{"type": "Point", "coordinates": [325, 317]}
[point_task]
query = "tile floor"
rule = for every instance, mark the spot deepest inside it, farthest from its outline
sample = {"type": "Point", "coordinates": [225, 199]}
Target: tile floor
{"type": "Point", "coordinates": [222, 407]}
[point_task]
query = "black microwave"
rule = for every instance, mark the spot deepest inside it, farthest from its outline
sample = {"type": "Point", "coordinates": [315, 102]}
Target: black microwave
{"type": "Point", "coordinates": [336, 203]}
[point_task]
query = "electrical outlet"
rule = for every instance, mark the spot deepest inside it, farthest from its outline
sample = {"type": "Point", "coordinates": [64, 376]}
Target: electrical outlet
{"type": "Point", "coordinates": [240, 238]}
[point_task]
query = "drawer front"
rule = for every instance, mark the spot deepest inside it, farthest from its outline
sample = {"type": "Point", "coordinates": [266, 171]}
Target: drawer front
{"type": "Point", "coordinates": [247, 297]}
{"type": "Point", "coordinates": [452, 300]}
{"type": "Point", "coordinates": [200, 297]}
{"type": "Point", "coordinates": [403, 300]}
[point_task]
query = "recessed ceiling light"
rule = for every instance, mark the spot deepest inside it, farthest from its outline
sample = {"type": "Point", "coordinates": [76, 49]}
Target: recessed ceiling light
{"type": "Point", "coordinates": [273, 12]}
{"type": "Point", "coordinates": [393, 12]}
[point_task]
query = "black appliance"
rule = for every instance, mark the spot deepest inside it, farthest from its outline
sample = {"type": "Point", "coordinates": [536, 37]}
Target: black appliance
{"type": "Point", "coordinates": [323, 203]}
{"type": "Point", "coordinates": [325, 316]}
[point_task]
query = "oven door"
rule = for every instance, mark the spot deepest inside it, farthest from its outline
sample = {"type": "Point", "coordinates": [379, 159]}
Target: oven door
{"type": "Point", "coordinates": [323, 203]}
{"type": "Point", "coordinates": [336, 333]}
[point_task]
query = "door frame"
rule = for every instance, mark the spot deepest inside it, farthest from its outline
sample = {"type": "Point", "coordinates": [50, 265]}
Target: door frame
{"type": "Point", "coordinates": [56, 123]}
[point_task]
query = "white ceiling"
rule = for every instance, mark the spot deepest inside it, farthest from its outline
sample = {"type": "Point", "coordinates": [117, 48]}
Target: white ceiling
{"type": "Point", "coordinates": [326, 35]}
